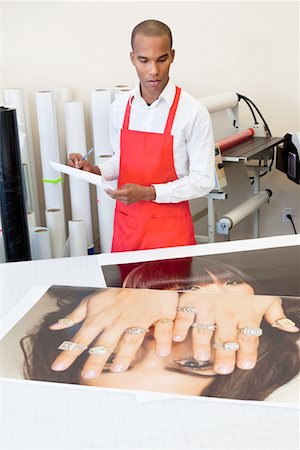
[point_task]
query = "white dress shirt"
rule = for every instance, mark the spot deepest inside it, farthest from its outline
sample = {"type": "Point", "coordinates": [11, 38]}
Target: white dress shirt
{"type": "Point", "coordinates": [193, 141]}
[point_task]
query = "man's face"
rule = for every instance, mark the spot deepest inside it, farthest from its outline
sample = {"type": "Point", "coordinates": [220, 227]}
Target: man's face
{"type": "Point", "coordinates": [152, 58]}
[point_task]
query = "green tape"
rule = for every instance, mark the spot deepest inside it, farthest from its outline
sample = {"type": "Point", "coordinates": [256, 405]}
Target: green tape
{"type": "Point", "coordinates": [52, 181]}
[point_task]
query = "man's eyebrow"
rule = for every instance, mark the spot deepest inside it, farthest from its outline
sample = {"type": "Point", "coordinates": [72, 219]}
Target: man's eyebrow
{"type": "Point", "coordinates": [145, 57]}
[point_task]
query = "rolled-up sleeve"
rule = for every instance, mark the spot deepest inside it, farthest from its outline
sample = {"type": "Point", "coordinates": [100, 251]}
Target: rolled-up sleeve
{"type": "Point", "coordinates": [199, 179]}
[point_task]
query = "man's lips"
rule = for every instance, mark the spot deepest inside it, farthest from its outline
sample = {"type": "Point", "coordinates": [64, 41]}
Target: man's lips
{"type": "Point", "coordinates": [154, 82]}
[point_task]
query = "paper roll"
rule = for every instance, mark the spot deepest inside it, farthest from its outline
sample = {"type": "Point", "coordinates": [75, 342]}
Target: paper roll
{"type": "Point", "coordinates": [31, 220]}
{"type": "Point", "coordinates": [240, 212]}
{"type": "Point", "coordinates": [2, 252]}
{"type": "Point", "coordinates": [106, 211]}
{"type": "Point", "coordinates": [77, 236]}
{"type": "Point", "coordinates": [219, 102]}
{"type": "Point", "coordinates": [76, 143]}
{"type": "Point", "coordinates": [100, 107]}
{"type": "Point", "coordinates": [121, 89]}
{"type": "Point", "coordinates": [16, 98]}
{"type": "Point", "coordinates": [40, 243]}
{"type": "Point", "coordinates": [56, 225]}
{"type": "Point", "coordinates": [61, 96]}
{"type": "Point", "coordinates": [49, 145]}
{"type": "Point", "coordinates": [12, 198]}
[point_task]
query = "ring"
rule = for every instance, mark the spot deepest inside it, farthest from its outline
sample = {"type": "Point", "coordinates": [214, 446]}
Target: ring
{"type": "Point", "coordinates": [187, 309]}
{"type": "Point", "coordinates": [250, 331]}
{"type": "Point", "coordinates": [284, 322]}
{"type": "Point", "coordinates": [136, 330]}
{"type": "Point", "coordinates": [163, 321]}
{"type": "Point", "coordinates": [98, 350]}
{"type": "Point", "coordinates": [69, 345]}
{"type": "Point", "coordinates": [66, 321]}
{"type": "Point", "coordinates": [208, 326]}
{"type": "Point", "coordinates": [227, 346]}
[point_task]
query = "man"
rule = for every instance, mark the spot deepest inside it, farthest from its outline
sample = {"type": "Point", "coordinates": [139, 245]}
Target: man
{"type": "Point", "coordinates": [163, 150]}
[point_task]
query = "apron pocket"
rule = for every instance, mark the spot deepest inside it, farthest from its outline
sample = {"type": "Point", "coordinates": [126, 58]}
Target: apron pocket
{"type": "Point", "coordinates": [125, 232]}
{"type": "Point", "coordinates": [170, 232]}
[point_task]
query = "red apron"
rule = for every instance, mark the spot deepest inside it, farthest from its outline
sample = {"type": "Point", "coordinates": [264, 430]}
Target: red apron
{"type": "Point", "coordinates": [146, 159]}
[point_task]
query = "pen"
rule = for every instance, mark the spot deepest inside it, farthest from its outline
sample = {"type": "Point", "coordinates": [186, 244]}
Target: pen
{"type": "Point", "coordinates": [88, 153]}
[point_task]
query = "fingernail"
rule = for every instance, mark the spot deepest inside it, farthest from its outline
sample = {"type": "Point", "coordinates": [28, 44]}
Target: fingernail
{"type": "Point", "coordinates": [202, 356]}
{"type": "Point", "coordinates": [177, 338]}
{"type": "Point", "coordinates": [224, 369]}
{"type": "Point", "coordinates": [246, 365]}
{"type": "Point", "coordinates": [90, 373]}
{"type": "Point", "coordinates": [117, 368]}
{"type": "Point", "coordinates": [162, 352]}
{"type": "Point", "coordinates": [58, 366]}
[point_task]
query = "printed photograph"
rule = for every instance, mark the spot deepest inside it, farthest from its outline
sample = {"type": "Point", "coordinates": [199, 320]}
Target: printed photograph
{"type": "Point", "coordinates": [206, 335]}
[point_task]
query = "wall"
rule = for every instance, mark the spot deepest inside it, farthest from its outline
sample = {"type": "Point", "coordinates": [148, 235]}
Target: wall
{"type": "Point", "coordinates": [246, 47]}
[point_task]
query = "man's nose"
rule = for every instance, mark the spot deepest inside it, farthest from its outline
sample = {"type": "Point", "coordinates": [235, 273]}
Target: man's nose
{"type": "Point", "coordinates": [153, 71]}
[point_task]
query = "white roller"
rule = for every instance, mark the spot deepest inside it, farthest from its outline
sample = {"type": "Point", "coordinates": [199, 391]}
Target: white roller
{"type": "Point", "coordinates": [56, 225]}
{"type": "Point", "coordinates": [40, 243]}
{"type": "Point", "coordinates": [219, 102]}
{"type": "Point", "coordinates": [61, 96]}
{"type": "Point", "coordinates": [106, 211]}
{"type": "Point", "coordinates": [121, 89]}
{"type": "Point", "coordinates": [49, 145]}
{"type": "Point", "coordinates": [77, 236]}
{"type": "Point", "coordinates": [76, 143]}
{"type": "Point", "coordinates": [100, 107]}
{"type": "Point", "coordinates": [243, 210]}
{"type": "Point", "coordinates": [17, 99]}
{"type": "Point", "coordinates": [31, 220]}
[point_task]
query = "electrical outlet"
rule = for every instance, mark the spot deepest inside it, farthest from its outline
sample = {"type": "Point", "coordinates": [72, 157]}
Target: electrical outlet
{"type": "Point", "coordinates": [285, 212]}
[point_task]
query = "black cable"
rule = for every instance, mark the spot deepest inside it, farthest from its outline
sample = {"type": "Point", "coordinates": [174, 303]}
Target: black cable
{"type": "Point", "coordinates": [289, 216]}
{"type": "Point", "coordinates": [240, 96]}
{"type": "Point", "coordinates": [251, 109]}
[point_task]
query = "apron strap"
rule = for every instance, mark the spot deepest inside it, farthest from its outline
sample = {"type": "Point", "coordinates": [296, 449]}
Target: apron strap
{"type": "Point", "coordinates": [172, 112]}
{"type": "Point", "coordinates": [171, 115]}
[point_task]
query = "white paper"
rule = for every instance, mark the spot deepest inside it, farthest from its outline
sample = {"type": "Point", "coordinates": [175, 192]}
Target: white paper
{"type": "Point", "coordinates": [219, 102]}
{"type": "Point", "coordinates": [49, 146]}
{"type": "Point", "coordinates": [77, 236]}
{"type": "Point", "coordinates": [100, 109]}
{"type": "Point", "coordinates": [31, 220]}
{"type": "Point", "coordinates": [76, 143]}
{"type": "Point", "coordinates": [61, 96]}
{"type": "Point", "coordinates": [56, 225]}
{"type": "Point", "coordinates": [77, 173]}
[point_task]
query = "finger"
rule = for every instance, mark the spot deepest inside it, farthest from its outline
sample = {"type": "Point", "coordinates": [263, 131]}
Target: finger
{"type": "Point", "coordinates": [128, 347]}
{"type": "Point", "coordinates": [71, 319]}
{"type": "Point", "coordinates": [248, 339]}
{"type": "Point", "coordinates": [86, 334]}
{"type": "Point", "coordinates": [276, 317]}
{"type": "Point", "coordinates": [203, 329]}
{"type": "Point", "coordinates": [163, 336]}
{"type": "Point", "coordinates": [100, 352]}
{"type": "Point", "coordinates": [224, 359]}
{"type": "Point", "coordinates": [184, 317]}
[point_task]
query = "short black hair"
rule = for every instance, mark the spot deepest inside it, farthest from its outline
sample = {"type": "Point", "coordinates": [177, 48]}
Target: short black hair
{"type": "Point", "coordinates": [152, 28]}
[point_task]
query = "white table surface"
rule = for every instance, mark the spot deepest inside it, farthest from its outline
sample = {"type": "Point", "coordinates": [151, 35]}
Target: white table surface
{"type": "Point", "coordinates": [41, 416]}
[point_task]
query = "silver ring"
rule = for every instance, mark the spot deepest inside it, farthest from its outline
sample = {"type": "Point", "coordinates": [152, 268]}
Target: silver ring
{"type": "Point", "coordinates": [187, 309]}
{"type": "Point", "coordinates": [207, 326]}
{"type": "Point", "coordinates": [284, 322]}
{"type": "Point", "coordinates": [66, 321]}
{"type": "Point", "coordinates": [98, 350]}
{"type": "Point", "coordinates": [136, 330]}
{"type": "Point", "coordinates": [250, 331]}
{"type": "Point", "coordinates": [69, 345]}
{"type": "Point", "coordinates": [234, 346]}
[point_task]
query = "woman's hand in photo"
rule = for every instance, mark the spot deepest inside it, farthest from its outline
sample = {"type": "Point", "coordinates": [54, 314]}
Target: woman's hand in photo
{"type": "Point", "coordinates": [116, 320]}
{"type": "Point", "coordinates": [226, 327]}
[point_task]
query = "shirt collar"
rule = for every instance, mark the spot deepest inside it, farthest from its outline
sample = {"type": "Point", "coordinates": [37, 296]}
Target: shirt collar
{"type": "Point", "coordinates": [167, 94]}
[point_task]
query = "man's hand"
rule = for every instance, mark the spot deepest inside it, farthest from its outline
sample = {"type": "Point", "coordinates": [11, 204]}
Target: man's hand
{"type": "Point", "coordinates": [76, 160]}
{"type": "Point", "coordinates": [132, 193]}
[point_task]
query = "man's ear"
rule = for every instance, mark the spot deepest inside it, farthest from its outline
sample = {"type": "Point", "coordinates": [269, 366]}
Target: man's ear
{"type": "Point", "coordinates": [172, 55]}
{"type": "Point", "coordinates": [132, 58]}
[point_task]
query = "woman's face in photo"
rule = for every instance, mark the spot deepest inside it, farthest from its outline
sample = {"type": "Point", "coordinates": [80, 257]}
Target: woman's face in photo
{"type": "Point", "coordinates": [179, 372]}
